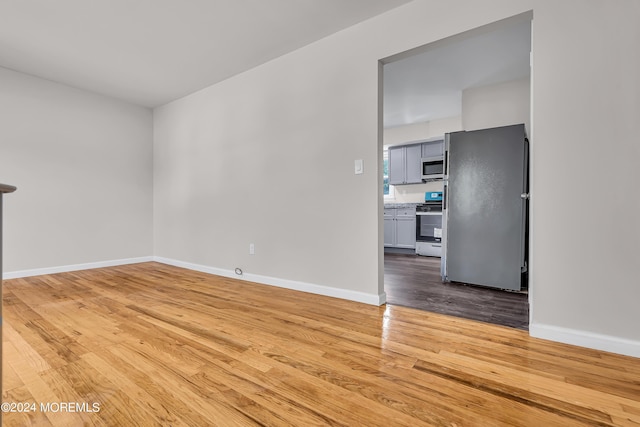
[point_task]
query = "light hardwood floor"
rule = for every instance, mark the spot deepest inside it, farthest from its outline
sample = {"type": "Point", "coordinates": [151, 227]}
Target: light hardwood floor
{"type": "Point", "coordinates": [158, 345]}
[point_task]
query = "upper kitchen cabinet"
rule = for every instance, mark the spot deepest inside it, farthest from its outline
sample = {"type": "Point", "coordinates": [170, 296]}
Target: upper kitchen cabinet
{"type": "Point", "coordinates": [404, 164]}
{"type": "Point", "coordinates": [433, 148]}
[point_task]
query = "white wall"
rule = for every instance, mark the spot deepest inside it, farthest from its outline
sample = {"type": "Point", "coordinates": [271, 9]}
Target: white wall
{"type": "Point", "coordinates": [399, 135]}
{"type": "Point", "coordinates": [586, 105]}
{"type": "Point", "coordinates": [267, 157]}
{"type": "Point", "coordinates": [82, 165]}
{"type": "Point", "coordinates": [496, 105]}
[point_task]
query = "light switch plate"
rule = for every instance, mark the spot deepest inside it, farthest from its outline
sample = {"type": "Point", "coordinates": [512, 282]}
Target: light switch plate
{"type": "Point", "coordinates": [359, 166]}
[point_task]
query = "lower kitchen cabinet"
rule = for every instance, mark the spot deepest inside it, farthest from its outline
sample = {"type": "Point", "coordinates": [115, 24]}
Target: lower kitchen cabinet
{"type": "Point", "coordinates": [389, 227]}
{"type": "Point", "coordinates": [400, 228]}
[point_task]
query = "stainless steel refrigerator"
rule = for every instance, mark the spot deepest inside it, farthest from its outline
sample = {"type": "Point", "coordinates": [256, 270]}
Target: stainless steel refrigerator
{"type": "Point", "coordinates": [485, 208]}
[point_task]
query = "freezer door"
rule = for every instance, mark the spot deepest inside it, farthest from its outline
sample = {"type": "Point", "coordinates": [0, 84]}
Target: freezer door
{"type": "Point", "coordinates": [484, 213]}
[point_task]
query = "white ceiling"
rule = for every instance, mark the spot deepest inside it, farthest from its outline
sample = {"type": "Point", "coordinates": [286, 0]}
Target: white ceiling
{"type": "Point", "coordinates": [429, 85]}
{"type": "Point", "coordinates": [150, 52]}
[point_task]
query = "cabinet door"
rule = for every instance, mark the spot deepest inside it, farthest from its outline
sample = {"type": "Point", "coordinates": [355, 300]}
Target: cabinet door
{"type": "Point", "coordinates": [406, 233]}
{"type": "Point", "coordinates": [389, 231]}
{"type": "Point", "coordinates": [413, 164]}
{"type": "Point", "coordinates": [396, 165]}
{"type": "Point", "coordinates": [433, 149]}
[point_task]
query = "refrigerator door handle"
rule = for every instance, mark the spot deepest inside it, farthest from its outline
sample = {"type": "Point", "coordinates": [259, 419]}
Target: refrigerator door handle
{"type": "Point", "coordinates": [443, 256]}
{"type": "Point", "coordinates": [444, 197]}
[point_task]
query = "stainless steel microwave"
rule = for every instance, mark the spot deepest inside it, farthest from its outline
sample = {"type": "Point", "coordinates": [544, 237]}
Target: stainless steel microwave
{"type": "Point", "coordinates": [432, 168]}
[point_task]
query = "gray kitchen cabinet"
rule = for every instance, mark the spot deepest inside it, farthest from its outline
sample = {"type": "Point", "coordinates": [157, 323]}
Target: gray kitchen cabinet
{"type": "Point", "coordinates": [389, 227]}
{"type": "Point", "coordinates": [433, 148]}
{"type": "Point", "coordinates": [413, 164]}
{"type": "Point", "coordinates": [400, 228]}
{"type": "Point", "coordinates": [404, 164]}
{"type": "Point", "coordinates": [397, 165]}
{"type": "Point", "coordinates": [406, 227]}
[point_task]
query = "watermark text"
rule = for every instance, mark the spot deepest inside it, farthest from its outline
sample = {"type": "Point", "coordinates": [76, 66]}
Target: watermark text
{"type": "Point", "coordinates": [85, 407]}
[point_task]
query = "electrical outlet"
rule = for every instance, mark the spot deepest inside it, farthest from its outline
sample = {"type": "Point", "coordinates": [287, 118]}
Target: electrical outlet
{"type": "Point", "coordinates": [252, 249]}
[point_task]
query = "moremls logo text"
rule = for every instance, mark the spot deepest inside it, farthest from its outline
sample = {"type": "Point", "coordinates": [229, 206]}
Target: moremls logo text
{"type": "Point", "coordinates": [70, 407]}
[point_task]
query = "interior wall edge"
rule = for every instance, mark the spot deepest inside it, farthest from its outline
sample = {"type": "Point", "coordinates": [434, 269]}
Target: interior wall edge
{"type": "Point", "coordinates": [585, 339]}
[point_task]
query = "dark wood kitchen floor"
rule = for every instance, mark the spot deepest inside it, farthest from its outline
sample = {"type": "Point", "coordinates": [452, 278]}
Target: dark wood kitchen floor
{"type": "Point", "coordinates": [414, 281]}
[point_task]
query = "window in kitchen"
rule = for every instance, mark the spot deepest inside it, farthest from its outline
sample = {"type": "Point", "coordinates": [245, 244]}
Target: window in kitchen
{"type": "Point", "coordinates": [387, 189]}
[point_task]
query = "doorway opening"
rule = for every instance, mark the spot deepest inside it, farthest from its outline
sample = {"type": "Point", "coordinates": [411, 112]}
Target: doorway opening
{"type": "Point", "coordinates": [476, 80]}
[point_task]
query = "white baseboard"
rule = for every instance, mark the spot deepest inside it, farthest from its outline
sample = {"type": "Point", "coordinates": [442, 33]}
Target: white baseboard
{"type": "Point", "coordinates": [587, 339]}
{"type": "Point", "coordinates": [366, 298]}
{"type": "Point", "coordinates": [74, 267]}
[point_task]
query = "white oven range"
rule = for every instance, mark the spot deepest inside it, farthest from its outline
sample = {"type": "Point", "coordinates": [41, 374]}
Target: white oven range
{"type": "Point", "coordinates": [429, 229]}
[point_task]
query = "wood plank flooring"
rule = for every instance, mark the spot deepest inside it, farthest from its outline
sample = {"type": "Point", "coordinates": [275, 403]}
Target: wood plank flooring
{"type": "Point", "coordinates": [152, 344]}
{"type": "Point", "coordinates": [415, 281]}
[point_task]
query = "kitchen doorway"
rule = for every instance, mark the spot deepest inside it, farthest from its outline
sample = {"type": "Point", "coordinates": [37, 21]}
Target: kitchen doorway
{"type": "Point", "coordinates": [475, 80]}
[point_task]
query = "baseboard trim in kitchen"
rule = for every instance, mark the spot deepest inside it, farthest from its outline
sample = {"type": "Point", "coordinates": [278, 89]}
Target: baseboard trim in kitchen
{"type": "Point", "coordinates": [74, 267]}
{"type": "Point", "coordinates": [312, 288]}
{"type": "Point", "coordinates": [587, 339]}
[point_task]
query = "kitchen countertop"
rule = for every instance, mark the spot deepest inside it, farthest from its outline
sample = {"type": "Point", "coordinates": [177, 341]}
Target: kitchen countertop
{"type": "Point", "coordinates": [401, 205]}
